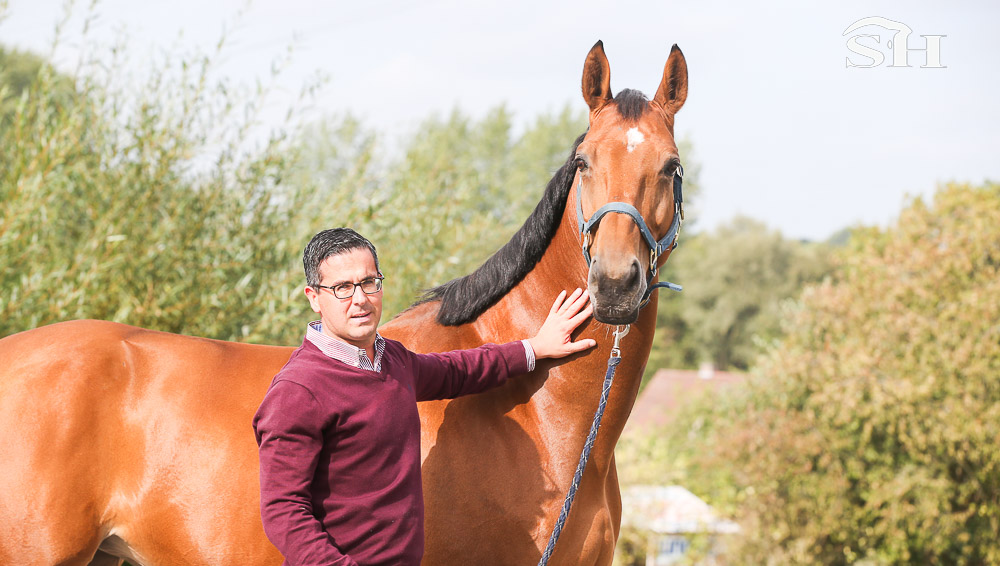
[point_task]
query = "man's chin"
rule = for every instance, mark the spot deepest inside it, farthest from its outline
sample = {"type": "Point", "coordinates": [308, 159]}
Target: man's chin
{"type": "Point", "coordinates": [364, 330]}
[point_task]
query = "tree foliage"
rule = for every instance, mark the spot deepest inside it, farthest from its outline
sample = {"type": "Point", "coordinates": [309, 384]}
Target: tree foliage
{"type": "Point", "coordinates": [737, 280]}
{"type": "Point", "coordinates": [111, 210]}
{"type": "Point", "coordinates": [868, 433]}
{"type": "Point", "coordinates": [23, 75]}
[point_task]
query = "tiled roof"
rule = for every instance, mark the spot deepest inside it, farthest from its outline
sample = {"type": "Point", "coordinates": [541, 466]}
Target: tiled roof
{"type": "Point", "coordinates": [669, 389]}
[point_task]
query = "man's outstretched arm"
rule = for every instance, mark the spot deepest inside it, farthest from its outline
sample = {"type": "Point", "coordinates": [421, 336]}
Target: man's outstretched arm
{"type": "Point", "coordinates": [461, 372]}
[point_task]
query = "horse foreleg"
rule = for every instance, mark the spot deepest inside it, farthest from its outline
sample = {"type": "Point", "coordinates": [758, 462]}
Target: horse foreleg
{"type": "Point", "coordinates": [599, 547]}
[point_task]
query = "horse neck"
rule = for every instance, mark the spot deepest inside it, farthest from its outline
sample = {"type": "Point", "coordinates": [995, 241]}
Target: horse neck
{"type": "Point", "coordinates": [566, 397]}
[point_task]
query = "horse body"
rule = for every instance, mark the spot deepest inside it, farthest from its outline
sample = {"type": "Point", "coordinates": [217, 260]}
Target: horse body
{"type": "Point", "coordinates": [135, 444]}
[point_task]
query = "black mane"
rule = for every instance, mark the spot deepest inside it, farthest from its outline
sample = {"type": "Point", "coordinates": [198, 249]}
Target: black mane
{"type": "Point", "coordinates": [465, 298]}
{"type": "Point", "coordinates": [632, 104]}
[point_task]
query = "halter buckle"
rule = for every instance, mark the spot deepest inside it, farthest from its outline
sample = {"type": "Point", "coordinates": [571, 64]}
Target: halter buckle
{"type": "Point", "coordinates": [586, 241]}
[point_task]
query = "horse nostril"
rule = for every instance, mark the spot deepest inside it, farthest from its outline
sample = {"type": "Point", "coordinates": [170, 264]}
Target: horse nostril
{"type": "Point", "coordinates": [633, 275]}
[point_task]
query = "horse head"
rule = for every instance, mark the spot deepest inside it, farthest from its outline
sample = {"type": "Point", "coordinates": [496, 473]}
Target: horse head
{"type": "Point", "coordinates": [628, 185]}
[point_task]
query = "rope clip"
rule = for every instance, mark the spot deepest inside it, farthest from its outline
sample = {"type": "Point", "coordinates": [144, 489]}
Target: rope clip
{"type": "Point", "coordinates": [620, 332]}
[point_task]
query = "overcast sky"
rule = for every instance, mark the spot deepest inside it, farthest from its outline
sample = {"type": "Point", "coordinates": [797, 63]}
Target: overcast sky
{"type": "Point", "coordinates": [784, 130]}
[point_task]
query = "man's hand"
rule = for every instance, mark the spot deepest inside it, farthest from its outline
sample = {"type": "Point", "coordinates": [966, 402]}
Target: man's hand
{"type": "Point", "coordinates": [553, 338]}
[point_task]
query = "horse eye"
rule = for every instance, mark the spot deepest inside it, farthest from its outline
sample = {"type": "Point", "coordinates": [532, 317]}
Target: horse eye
{"type": "Point", "coordinates": [581, 163]}
{"type": "Point", "coordinates": [670, 168]}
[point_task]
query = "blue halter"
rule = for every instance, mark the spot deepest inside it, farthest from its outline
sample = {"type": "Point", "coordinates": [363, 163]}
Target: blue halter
{"type": "Point", "coordinates": [656, 247]}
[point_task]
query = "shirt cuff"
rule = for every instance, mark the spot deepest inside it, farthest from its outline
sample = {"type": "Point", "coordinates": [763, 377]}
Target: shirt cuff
{"type": "Point", "coordinates": [530, 353]}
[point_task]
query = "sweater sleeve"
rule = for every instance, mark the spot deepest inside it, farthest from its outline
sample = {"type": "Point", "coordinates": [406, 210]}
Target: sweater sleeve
{"type": "Point", "coordinates": [447, 375]}
{"type": "Point", "coordinates": [288, 426]}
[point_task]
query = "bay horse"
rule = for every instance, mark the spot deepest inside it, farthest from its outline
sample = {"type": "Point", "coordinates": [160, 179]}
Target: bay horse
{"type": "Point", "coordinates": [124, 443]}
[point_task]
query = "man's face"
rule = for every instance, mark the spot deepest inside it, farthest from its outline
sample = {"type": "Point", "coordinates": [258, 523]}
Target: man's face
{"type": "Point", "coordinates": [355, 319]}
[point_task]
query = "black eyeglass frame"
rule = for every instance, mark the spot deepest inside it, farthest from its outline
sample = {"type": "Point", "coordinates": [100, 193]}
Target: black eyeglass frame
{"type": "Point", "coordinates": [378, 287]}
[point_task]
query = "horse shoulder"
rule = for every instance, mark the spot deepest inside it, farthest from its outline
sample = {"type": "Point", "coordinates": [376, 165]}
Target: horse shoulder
{"type": "Point", "coordinates": [418, 330]}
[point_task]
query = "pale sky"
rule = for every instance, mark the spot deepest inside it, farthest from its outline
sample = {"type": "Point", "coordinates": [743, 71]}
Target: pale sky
{"type": "Point", "coordinates": [784, 131]}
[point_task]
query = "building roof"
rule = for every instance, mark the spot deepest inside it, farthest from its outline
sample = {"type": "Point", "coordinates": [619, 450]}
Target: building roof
{"type": "Point", "coordinates": [669, 389]}
{"type": "Point", "coordinates": [670, 509]}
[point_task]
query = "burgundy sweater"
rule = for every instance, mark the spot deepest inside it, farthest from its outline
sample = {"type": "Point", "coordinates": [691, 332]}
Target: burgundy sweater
{"type": "Point", "coordinates": [340, 449]}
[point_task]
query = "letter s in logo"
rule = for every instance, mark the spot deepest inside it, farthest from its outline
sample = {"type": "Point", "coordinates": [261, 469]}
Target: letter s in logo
{"type": "Point", "coordinates": [874, 54]}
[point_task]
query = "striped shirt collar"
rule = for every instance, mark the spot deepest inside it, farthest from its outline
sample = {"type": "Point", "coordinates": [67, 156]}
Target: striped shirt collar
{"type": "Point", "coordinates": [344, 352]}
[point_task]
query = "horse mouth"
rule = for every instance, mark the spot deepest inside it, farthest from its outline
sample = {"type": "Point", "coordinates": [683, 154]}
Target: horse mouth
{"type": "Point", "coordinates": [616, 297]}
{"type": "Point", "coordinates": [614, 312]}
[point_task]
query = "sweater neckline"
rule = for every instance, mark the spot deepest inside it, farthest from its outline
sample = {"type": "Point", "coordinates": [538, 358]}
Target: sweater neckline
{"type": "Point", "coordinates": [380, 375]}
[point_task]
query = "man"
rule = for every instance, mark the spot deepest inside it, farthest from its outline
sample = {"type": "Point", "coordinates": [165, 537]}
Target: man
{"type": "Point", "coordinates": [338, 429]}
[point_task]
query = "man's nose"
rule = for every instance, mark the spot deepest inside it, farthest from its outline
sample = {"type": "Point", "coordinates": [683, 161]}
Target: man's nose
{"type": "Point", "coordinates": [359, 297]}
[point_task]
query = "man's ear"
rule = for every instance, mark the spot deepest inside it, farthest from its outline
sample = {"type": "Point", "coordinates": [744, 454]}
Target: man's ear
{"type": "Point", "coordinates": [313, 297]}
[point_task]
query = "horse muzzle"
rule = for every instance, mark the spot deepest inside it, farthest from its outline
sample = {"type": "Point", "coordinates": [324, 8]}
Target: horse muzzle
{"type": "Point", "coordinates": [616, 293]}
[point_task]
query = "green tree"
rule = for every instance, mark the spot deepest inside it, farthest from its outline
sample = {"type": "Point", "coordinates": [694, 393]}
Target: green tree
{"type": "Point", "coordinates": [868, 433]}
{"type": "Point", "coordinates": [111, 209]}
{"type": "Point", "coordinates": [737, 279]}
{"type": "Point", "coordinates": [24, 74]}
{"type": "Point", "coordinates": [745, 273]}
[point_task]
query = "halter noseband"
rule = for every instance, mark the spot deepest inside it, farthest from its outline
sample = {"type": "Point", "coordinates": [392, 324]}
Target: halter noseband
{"type": "Point", "coordinates": [656, 247]}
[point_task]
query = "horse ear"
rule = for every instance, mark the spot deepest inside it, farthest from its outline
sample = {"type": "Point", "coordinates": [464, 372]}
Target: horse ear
{"type": "Point", "coordinates": [596, 78]}
{"type": "Point", "coordinates": [673, 89]}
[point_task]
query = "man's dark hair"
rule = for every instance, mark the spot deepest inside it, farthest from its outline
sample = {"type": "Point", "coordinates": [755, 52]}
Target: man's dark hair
{"type": "Point", "coordinates": [332, 242]}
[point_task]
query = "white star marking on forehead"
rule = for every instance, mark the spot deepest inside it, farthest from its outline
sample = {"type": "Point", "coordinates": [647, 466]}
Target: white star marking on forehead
{"type": "Point", "coordinates": [633, 138]}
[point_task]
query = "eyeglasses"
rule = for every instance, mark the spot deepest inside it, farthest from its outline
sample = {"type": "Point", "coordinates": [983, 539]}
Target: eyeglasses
{"type": "Point", "coordinates": [345, 290]}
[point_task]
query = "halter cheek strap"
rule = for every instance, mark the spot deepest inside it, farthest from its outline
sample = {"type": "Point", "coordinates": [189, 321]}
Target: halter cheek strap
{"type": "Point", "coordinates": [656, 247]}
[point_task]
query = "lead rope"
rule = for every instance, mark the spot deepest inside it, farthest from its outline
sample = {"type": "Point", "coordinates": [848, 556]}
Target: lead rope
{"type": "Point", "coordinates": [609, 378]}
